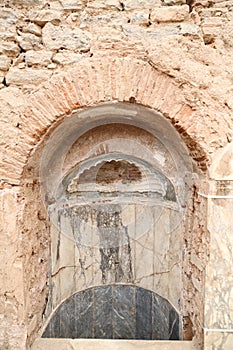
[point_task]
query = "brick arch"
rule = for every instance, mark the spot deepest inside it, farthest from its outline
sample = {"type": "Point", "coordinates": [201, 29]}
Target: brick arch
{"type": "Point", "coordinates": [95, 81]}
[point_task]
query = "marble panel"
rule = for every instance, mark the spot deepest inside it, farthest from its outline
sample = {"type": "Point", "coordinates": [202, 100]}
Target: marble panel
{"type": "Point", "coordinates": [143, 314]}
{"type": "Point", "coordinates": [143, 221]}
{"type": "Point", "coordinates": [96, 271]}
{"type": "Point", "coordinates": [174, 324]}
{"type": "Point", "coordinates": [66, 244]}
{"type": "Point", "coordinates": [55, 238]}
{"type": "Point", "coordinates": [143, 259]}
{"type": "Point", "coordinates": [128, 218]}
{"type": "Point", "coordinates": [68, 319]}
{"type": "Point", "coordinates": [85, 266]}
{"type": "Point", "coordinates": [47, 331]}
{"type": "Point", "coordinates": [55, 290]}
{"type": "Point", "coordinates": [103, 313]}
{"type": "Point", "coordinates": [167, 263]}
{"type": "Point", "coordinates": [53, 328]}
{"type": "Point", "coordinates": [219, 274]}
{"type": "Point", "coordinates": [218, 340]}
{"type": "Point", "coordinates": [67, 282]}
{"type": "Point", "coordinates": [161, 320]}
{"type": "Point", "coordinates": [124, 313]}
{"type": "Point", "coordinates": [83, 314]}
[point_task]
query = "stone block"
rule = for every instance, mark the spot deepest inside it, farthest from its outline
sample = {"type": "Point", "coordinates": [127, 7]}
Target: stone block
{"type": "Point", "coordinates": [105, 4]}
{"type": "Point", "coordinates": [170, 14]}
{"type": "Point", "coordinates": [27, 76]}
{"type": "Point", "coordinates": [33, 29]}
{"type": "Point", "coordinates": [55, 38]}
{"type": "Point", "coordinates": [7, 34]}
{"type": "Point", "coordinates": [189, 29]}
{"type": "Point", "coordinates": [140, 18]}
{"type": "Point", "coordinates": [38, 58]}
{"type": "Point", "coordinates": [72, 4]}
{"type": "Point", "coordinates": [8, 17]}
{"type": "Point", "coordinates": [43, 16]}
{"type": "Point", "coordinates": [2, 75]}
{"type": "Point", "coordinates": [28, 41]}
{"type": "Point", "coordinates": [140, 4]}
{"type": "Point", "coordinates": [4, 63]}
{"type": "Point", "coordinates": [67, 57]}
{"type": "Point", "coordinates": [174, 2]}
{"type": "Point", "coordinates": [9, 48]}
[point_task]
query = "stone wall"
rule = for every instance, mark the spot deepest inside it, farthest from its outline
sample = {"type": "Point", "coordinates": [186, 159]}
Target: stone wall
{"type": "Point", "coordinates": [56, 56]}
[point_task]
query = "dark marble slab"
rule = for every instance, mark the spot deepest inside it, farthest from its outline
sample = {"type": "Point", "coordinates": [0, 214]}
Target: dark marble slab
{"type": "Point", "coordinates": [143, 314]}
{"type": "Point", "coordinates": [67, 319]}
{"type": "Point", "coordinates": [160, 318]}
{"type": "Point", "coordinates": [124, 313]}
{"type": "Point", "coordinates": [55, 325]}
{"type": "Point", "coordinates": [83, 313]}
{"type": "Point", "coordinates": [47, 331]}
{"type": "Point", "coordinates": [174, 325]}
{"type": "Point", "coordinates": [103, 313]}
{"type": "Point", "coordinates": [115, 312]}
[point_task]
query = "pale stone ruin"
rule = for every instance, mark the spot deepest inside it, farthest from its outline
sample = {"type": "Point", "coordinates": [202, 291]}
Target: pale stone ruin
{"type": "Point", "coordinates": [116, 174]}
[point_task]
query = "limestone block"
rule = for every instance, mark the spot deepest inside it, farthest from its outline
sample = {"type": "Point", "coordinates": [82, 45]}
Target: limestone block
{"type": "Point", "coordinates": [72, 4]}
{"type": "Point", "coordinates": [67, 57]}
{"type": "Point", "coordinates": [212, 27]}
{"type": "Point", "coordinates": [189, 29]}
{"type": "Point", "coordinates": [27, 76]}
{"type": "Point", "coordinates": [28, 41]}
{"type": "Point", "coordinates": [227, 34]}
{"type": "Point", "coordinates": [39, 58]}
{"type": "Point", "coordinates": [7, 17]}
{"type": "Point", "coordinates": [140, 18]}
{"type": "Point", "coordinates": [230, 102]}
{"type": "Point", "coordinates": [174, 2]}
{"type": "Point", "coordinates": [43, 16]}
{"type": "Point", "coordinates": [226, 3]}
{"type": "Point", "coordinates": [4, 63]}
{"type": "Point", "coordinates": [55, 38]}
{"type": "Point", "coordinates": [140, 4]}
{"type": "Point", "coordinates": [33, 29]}
{"type": "Point", "coordinates": [9, 48]}
{"type": "Point", "coordinates": [106, 4]}
{"type": "Point", "coordinates": [27, 2]}
{"type": "Point", "coordinates": [170, 14]}
{"type": "Point", "coordinates": [7, 33]}
{"type": "Point", "coordinates": [2, 75]}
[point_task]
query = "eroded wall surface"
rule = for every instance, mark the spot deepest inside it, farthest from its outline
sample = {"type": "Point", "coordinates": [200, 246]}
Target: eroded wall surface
{"type": "Point", "coordinates": [189, 41]}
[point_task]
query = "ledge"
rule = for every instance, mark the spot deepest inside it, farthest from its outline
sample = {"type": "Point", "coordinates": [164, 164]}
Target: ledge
{"type": "Point", "coordinates": [106, 344]}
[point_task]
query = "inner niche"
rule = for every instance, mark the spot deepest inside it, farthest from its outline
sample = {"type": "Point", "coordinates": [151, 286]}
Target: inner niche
{"type": "Point", "coordinates": [115, 312]}
{"type": "Point", "coordinates": [112, 172]}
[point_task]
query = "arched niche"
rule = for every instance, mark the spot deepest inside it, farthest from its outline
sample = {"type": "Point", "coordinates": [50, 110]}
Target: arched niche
{"type": "Point", "coordinates": [158, 232]}
{"type": "Point", "coordinates": [116, 182]}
